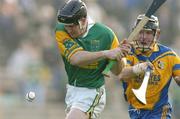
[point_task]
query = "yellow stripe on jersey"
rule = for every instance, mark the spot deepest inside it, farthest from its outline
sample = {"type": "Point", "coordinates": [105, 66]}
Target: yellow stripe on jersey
{"type": "Point", "coordinates": [176, 73]}
{"type": "Point", "coordinates": [61, 37]}
{"type": "Point", "coordinates": [115, 42]}
{"type": "Point", "coordinates": [67, 46]}
{"type": "Point", "coordinates": [91, 66]}
{"type": "Point", "coordinates": [170, 53]}
{"type": "Point", "coordinates": [72, 52]}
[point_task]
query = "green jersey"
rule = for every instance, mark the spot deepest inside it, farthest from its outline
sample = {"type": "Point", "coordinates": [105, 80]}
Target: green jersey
{"type": "Point", "coordinates": [98, 38]}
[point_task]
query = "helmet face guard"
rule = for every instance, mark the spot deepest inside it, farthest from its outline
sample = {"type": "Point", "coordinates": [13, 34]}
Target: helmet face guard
{"type": "Point", "coordinates": [143, 48]}
{"type": "Point", "coordinates": [72, 12]}
{"type": "Point", "coordinates": [151, 25]}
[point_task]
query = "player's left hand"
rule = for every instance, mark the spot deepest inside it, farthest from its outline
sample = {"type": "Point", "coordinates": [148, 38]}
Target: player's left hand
{"type": "Point", "coordinates": [125, 47]}
{"type": "Point", "coordinates": [141, 67]}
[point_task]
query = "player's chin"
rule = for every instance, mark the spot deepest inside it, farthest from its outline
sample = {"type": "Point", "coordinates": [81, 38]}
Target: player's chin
{"type": "Point", "coordinates": [145, 44]}
{"type": "Point", "coordinates": [74, 35]}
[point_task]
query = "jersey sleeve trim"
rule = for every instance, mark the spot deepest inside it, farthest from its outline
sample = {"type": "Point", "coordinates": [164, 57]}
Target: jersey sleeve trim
{"type": "Point", "coordinates": [73, 52]}
{"type": "Point", "coordinates": [115, 42]}
{"type": "Point", "coordinates": [176, 67]}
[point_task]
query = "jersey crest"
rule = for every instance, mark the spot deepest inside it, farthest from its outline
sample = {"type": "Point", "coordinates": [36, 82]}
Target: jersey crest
{"type": "Point", "coordinates": [95, 45]}
{"type": "Point", "coordinates": [160, 65]}
{"type": "Point", "coordinates": [68, 44]}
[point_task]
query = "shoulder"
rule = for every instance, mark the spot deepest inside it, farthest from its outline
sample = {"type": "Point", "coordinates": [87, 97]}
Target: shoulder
{"type": "Point", "coordinates": [103, 31]}
{"type": "Point", "coordinates": [103, 28]}
{"type": "Point", "coordinates": [60, 33]}
{"type": "Point", "coordinates": [59, 27]}
{"type": "Point", "coordinates": [164, 48]}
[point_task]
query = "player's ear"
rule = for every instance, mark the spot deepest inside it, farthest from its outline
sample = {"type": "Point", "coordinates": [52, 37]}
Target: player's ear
{"type": "Point", "coordinates": [83, 20]}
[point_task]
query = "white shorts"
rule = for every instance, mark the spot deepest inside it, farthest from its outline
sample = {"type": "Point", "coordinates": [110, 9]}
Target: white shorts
{"type": "Point", "coordinates": [91, 101]}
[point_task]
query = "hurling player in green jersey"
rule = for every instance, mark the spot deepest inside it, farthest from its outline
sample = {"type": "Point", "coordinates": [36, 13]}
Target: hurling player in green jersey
{"type": "Point", "coordinates": [165, 64]}
{"type": "Point", "coordinates": [85, 47]}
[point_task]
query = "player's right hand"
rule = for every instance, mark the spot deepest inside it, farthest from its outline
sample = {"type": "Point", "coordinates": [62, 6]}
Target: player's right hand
{"type": "Point", "coordinates": [125, 47]}
{"type": "Point", "coordinates": [119, 52]}
{"type": "Point", "coordinates": [141, 67]}
{"type": "Point", "coordinates": [113, 54]}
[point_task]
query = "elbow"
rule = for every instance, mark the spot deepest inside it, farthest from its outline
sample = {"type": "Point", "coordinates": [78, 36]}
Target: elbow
{"type": "Point", "coordinates": [125, 75]}
{"type": "Point", "coordinates": [121, 75]}
{"type": "Point", "coordinates": [177, 79]}
{"type": "Point", "coordinates": [178, 82]}
{"type": "Point", "coordinates": [74, 61]}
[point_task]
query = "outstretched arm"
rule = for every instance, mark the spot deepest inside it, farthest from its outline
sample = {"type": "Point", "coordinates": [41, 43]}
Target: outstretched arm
{"type": "Point", "coordinates": [177, 79]}
{"type": "Point", "coordinates": [129, 72]}
{"type": "Point", "coordinates": [121, 62]}
{"type": "Point", "coordinates": [81, 58]}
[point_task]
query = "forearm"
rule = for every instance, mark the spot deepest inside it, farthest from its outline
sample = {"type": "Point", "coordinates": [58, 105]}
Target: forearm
{"type": "Point", "coordinates": [117, 68]}
{"type": "Point", "coordinates": [127, 73]}
{"type": "Point", "coordinates": [177, 79]}
{"type": "Point", "coordinates": [82, 58]}
{"type": "Point", "coordinates": [133, 71]}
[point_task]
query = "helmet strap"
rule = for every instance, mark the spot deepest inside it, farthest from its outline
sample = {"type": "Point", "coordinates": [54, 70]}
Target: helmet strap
{"type": "Point", "coordinates": [80, 24]}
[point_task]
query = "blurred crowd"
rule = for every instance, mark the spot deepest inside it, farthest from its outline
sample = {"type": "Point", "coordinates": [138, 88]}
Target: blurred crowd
{"type": "Point", "coordinates": [30, 60]}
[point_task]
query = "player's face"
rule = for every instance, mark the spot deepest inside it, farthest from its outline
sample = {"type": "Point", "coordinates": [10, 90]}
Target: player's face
{"type": "Point", "coordinates": [73, 30]}
{"type": "Point", "coordinates": [146, 37]}
{"type": "Point", "coordinates": [76, 30]}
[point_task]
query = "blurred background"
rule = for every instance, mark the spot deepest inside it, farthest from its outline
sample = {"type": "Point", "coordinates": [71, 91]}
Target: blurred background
{"type": "Point", "coordinates": [30, 60]}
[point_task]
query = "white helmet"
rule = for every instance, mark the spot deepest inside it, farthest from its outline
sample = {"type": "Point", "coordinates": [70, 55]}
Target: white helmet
{"type": "Point", "coordinates": [153, 25]}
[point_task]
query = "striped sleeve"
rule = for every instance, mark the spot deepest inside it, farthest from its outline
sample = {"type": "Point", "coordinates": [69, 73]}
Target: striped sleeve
{"type": "Point", "coordinates": [176, 65]}
{"type": "Point", "coordinates": [115, 42]}
{"type": "Point", "coordinates": [66, 44]}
